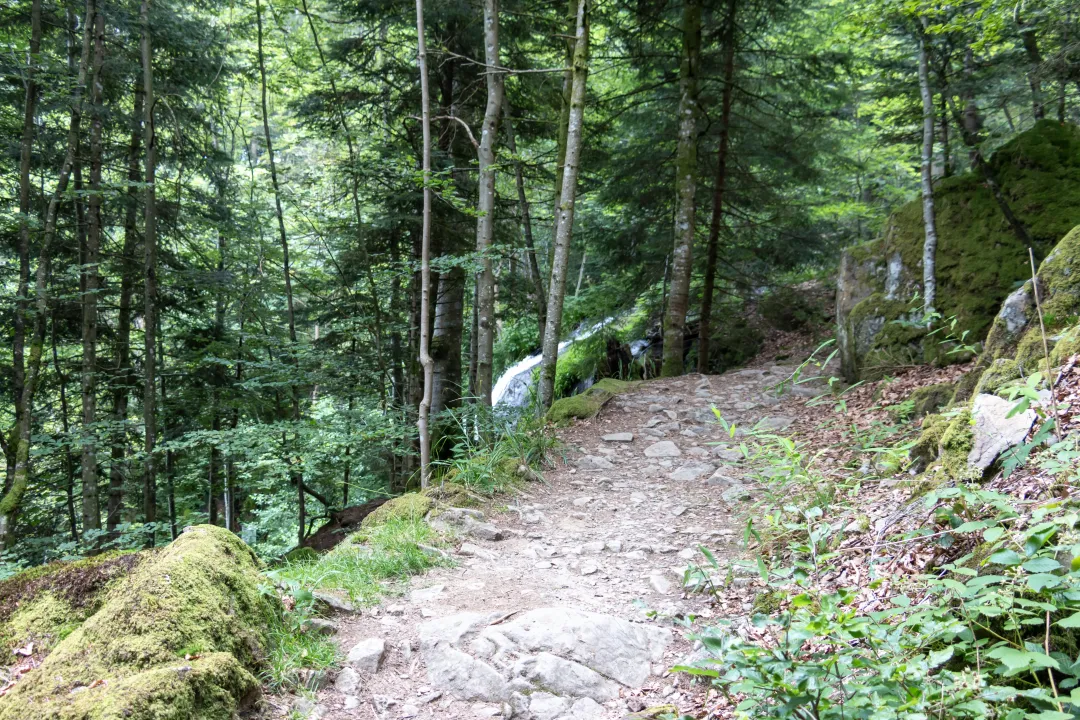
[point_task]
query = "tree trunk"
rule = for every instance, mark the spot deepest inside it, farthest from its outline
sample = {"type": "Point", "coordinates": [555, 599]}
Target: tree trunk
{"type": "Point", "coordinates": [150, 320]}
{"type": "Point", "coordinates": [525, 218]}
{"type": "Point", "coordinates": [485, 224]}
{"type": "Point", "coordinates": [565, 218]}
{"type": "Point", "coordinates": [705, 327]}
{"type": "Point", "coordinates": [929, 218]}
{"type": "Point", "coordinates": [16, 490]}
{"type": "Point", "coordinates": [290, 315]}
{"type": "Point", "coordinates": [91, 512]}
{"type": "Point", "coordinates": [122, 376]}
{"type": "Point", "coordinates": [22, 298]}
{"type": "Point", "coordinates": [564, 123]}
{"type": "Point", "coordinates": [425, 255]}
{"type": "Point", "coordinates": [685, 188]}
{"type": "Point", "coordinates": [1031, 47]}
{"type": "Point", "coordinates": [445, 345]}
{"type": "Point", "coordinates": [69, 461]}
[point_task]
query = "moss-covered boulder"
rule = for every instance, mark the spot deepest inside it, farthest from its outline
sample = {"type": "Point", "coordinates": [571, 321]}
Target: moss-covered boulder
{"type": "Point", "coordinates": [181, 636]}
{"type": "Point", "coordinates": [979, 259]}
{"type": "Point", "coordinates": [410, 506]}
{"type": "Point", "coordinates": [587, 404]}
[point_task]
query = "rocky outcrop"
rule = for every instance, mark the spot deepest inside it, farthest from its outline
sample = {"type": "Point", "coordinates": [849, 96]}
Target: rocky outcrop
{"type": "Point", "coordinates": [181, 636]}
{"type": "Point", "coordinates": [965, 444]}
{"type": "Point", "coordinates": [979, 259]}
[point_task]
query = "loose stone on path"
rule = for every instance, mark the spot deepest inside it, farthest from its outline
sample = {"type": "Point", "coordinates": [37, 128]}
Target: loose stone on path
{"type": "Point", "coordinates": [664, 448]}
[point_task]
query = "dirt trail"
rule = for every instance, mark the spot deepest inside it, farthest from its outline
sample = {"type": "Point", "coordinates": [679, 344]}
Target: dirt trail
{"type": "Point", "coordinates": [611, 532]}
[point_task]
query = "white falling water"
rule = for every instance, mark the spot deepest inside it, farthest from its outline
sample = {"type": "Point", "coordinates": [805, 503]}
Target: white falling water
{"type": "Point", "coordinates": [512, 389]}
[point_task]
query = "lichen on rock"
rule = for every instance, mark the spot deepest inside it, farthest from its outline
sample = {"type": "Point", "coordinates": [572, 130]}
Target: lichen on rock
{"type": "Point", "coordinates": [182, 636]}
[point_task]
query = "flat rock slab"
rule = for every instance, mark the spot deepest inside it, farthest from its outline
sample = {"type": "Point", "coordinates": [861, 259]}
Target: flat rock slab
{"type": "Point", "coordinates": [568, 655]}
{"type": "Point", "coordinates": [995, 433]}
{"type": "Point", "coordinates": [664, 448]}
{"type": "Point", "coordinates": [693, 471]}
{"type": "Point", "coordinates": [623, 437]}
{"type": "Point", "coordinates": [367, 655]}
{"type": "Point", "coordinates": [594, 462]}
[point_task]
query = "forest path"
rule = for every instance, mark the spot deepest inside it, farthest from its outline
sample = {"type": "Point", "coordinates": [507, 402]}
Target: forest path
{"type": "Point", "coordinates": [552, 621]}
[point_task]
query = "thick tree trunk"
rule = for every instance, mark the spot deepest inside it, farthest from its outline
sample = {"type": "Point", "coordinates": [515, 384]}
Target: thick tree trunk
{"type": "Point", "coordinates": [485, 224]}
{"type": "Point", "coordinates": [20, 436]}
{"type": "Point", "coordinates": [22, 299]}
{"type": "Point", "coordinates": [91, 511]}
{"type": "Point", "coordinates": [525, 219]}
{"type": "Point", "coordinates": [425, 255]}
{"type": "Point", "coordinates": [150, 319]}
{"type": "Point", "coordinates": [685, 188]}
{"type": "Point", "coordinates": [298, 478]}
{"type": "Point", "coordinates": [929, 218]}
{"type": "Point", "coordinates": [564, 123]}
{"type": "Point", "coordinates": [565, 217]}
{"type": "Point", "coordinates": [705, 327]}
{"type": "Point", "coordinates": [446, 341]}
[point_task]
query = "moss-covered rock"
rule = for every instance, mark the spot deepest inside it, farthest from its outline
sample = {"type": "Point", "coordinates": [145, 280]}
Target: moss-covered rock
{"type": "Point", "coordinates": [44, 604]}
{"type": "Point", "coordinates": [925, 450]}
{"type": "Point", "coordinates": [587, 404]}
{"type": "Point", "coordinates": [979, 259]}
{"type": "Point", "coordinates": [182, 636]}
{"type": "Point", "coordinates": [301, 555]}
{"type": "Point", "coordinates": [410, 506]}
{"type": "Point", "coordinates": [930, 398]}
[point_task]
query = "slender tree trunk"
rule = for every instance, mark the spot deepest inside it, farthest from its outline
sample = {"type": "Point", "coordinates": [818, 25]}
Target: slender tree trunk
{"type": "Point", "coordinates": [150, 319]}
{"type": "Point", "coordinates": [16, 490]}
{"type": "Point", "coordinates": [705, 327]}
{"type": "Point", "coordinates": [26, 147]}
{"type": "Point", "coordinates": [473, 346]}
{"type": "Point", "coordinates": [581, 271]}
{"type": "Point", "coordinates": [943, 125]}
{"type": "Point", "coordinates": [485, 224]}
{"type": "Point", "coordinates": [298, 478]}
{"type": "Point", "coordinates": [564, 123]}
{"type": "Point", "coordinates": [1031, 47]}
{"type": "Point", "coordinates": [91, 512]}
{"type": "Point", "coordinates": [565, 218]}
{"type": "Point", "coordinates": [525, 219]}
{"type": "Point", "coordinates": [170, 457]}
{"type": "Point", "coordinates": [929, 218]}
{"type": "Point", "coordinates": [685, 189]}
{"type": "Point", "coordinates": [122, 376]}
{"type": "Point", "coordinates": [69, 461]}
{"type": "Point", "coordinates": [425, 255]}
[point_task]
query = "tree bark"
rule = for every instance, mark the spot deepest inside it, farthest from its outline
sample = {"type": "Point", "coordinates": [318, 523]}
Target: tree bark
{"type": "Point", "coordinates": [929, 217]}
{"type": "Point", "coordinates": [1031, 47]}
{"type": "Point", "coordinates": [69, 461]}
{"type": "Point", "coordinates": [445, 345]}
{"type": "Point", "coordinates": [485, 223]}
{"type": "Point", "coordinates": [705, 327]}
{"type": "Point", "coordinates": [150, 319]}
{"type": "Point", "coordinates": [122, 376]}
{"type": "Point", "coordinates": [289, 313]}
{"type": "Point", "coordinates": [565, 217]}
{"type": "Point", "coordinates": [26, 147]}
{"type": "Point", "coordinates": [564, 123]}
{"type": "Point", "coordinates": [525, 218]}
{"type": "Point", "coordinates": [91, 511]}
{"type": "Point", "coordinates": [685, 189]}
{"type": "Point", "coordinates": [16, 490]}
{"type": "Point", "coordinates": [425, 255]}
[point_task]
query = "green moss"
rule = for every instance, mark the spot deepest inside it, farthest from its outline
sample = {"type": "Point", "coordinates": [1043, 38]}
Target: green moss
{"type": "Point", "coordinates": [885, 334]}
{"type": "Point", "coordinates": [45, 603]}
{"type": "Point", "coordinates": [127, 660]}
{"type": "Point", "coordinates": [1000, 373]}
{"type": "Point", "coordinates": [587, 404]}
{"type": "Point", "coordinates": [410, 506]}
{"type": "Point", "coordinates": [769, 602]}
{"type": "Point", "coordinates": [1066, 345]}
{"type": "Point", "coordinates": [930, 399]}
{"type": "Point", "coordinates": [925, 450]}
{"type": "Point", "coordinates": [980, 260]}
{"type": "Point", "coordinates": [956, 443]}
{"type": "Point", "coordinates": [965, 386]}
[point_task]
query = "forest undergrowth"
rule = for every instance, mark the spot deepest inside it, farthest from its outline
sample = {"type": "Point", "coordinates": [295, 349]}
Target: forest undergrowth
{"type": "Point", "coordinates": [882, 593]}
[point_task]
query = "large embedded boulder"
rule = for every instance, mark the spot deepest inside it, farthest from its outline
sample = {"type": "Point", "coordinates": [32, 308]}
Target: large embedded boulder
{"type": "Point", "coordinates": [979, 258]}
{"type": "Point", "coordinates": [182, 636]}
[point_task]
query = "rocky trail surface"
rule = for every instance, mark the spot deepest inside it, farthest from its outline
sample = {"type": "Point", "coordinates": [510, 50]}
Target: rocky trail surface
{"type": "Point", "coordinates": [567, 604]}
